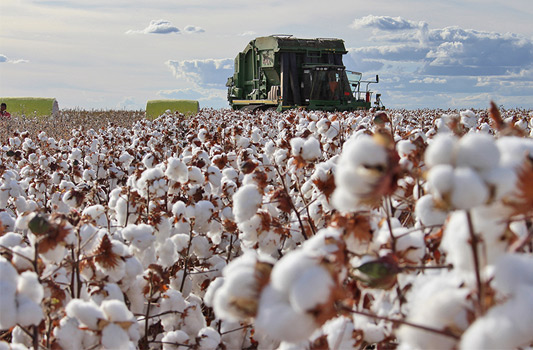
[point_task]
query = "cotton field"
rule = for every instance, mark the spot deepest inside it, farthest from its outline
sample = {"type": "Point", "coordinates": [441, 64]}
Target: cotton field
{"type": "Point", "coordinates": [302, 230]}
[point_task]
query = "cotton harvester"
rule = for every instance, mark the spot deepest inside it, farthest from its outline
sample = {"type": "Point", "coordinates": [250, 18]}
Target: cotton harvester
{"type": "Point", "coordinates": [282, 72]}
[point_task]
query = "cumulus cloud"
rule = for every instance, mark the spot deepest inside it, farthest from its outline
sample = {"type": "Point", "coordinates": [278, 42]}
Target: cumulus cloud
{"type": "Point", "coordinates": [216, 98]}
{"type": "Point", "coordinates": [448, 61]}
{"type": "Point", "coordinates": [206, 73]}
{"type": "Point", "coordinates": [193, 29]}
{"type": "Point", "coordinates": [248, 33]}
{"type": "Point", "coordinates": [159, 26]}
{"type": "Point", "coordinates": [385, 23]}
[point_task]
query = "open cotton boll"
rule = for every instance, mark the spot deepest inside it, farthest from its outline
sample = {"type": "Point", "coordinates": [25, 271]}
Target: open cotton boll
{"type": "Point", "coordinates": [87, 313]}
{"type": "Point", "coordinates": [68, 335]}
{"type": "Point", "coordinates": [141, 236]}
{"type": "Point", "coordinates": [246, 201]}
{"type": "Point", "coordinates": [405, 147]}
{"type": "Point", "coordinates": [435, 302]}
{"type": "Point", "coordinates": [290, 267]}
{"type": "Point", "coordinates": [28, 285]}
{"type": "Point", "coordinates": [8, 289]}
{"type": "Point", "coordinates": [28, 312]}
{"type": "Point", "coordinates": [504, 326]}
{"type": "Point", "coordinates": [114, 337]}
{"type": "Point", "coordinates": [441, 150]}
{"type": "Point", "coordinates": [177, 170]}
{"type": "Point", "coordinates": [195, 175]}
{"type": "Point", "coordinates": [469, 190]}
{"type": "Point", "coordinates": [440, 179]}
{"type": "Point", "coordinates": [208, 339]}
{"type": "Point", "coordinates": [340, 333]}
{"type": "Point", "coordinates": [116, 311]}
{"type": "Point", "coordinates": [311, 288]}
{"type": "Point", "coordinates": [468, 118]}
{"type": "Point", "coordinates": [513, 150]}
{"type": "Point", "coordinates": [360, 167]}
{"type": "Point", "coordinates": [176, 340]}
{"type": "Point", "coordinates": [277, 319]}
{"type": "Point", "coordinates": [297, 144]}
{"type": "Point", "coordinates": [311, 149]}
{"type": "Point", "coordinates": [512, 270]}
{"type": "Point", "coordinates": [427, 213]}
{"type": "Point", "coordinates": [478, 151]}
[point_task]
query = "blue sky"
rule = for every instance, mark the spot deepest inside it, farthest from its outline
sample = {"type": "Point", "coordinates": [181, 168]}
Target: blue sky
{"type": "Point", "coordinates": [103, 54]}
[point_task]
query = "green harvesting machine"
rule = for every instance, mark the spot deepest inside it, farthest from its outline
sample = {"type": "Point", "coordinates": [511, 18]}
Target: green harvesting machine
{"type": "Point", "coordinates": [281, 72]}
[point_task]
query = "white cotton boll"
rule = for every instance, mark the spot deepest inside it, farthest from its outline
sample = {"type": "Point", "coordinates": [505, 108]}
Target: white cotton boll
{"type": "Point", "coordinates": [503, 181]}
{"type": "Point", "coordinates": [148, 160]}
{"type": "Point", "coordinates": [7, 221]}
{"type": "Point", "coordinates": [97, 213]}
{"type": "Point", "coordinates": [11, 239]}
{"type": "Point", "coordinates": [8, 307]}
{"type": "Point", "coordinates": [177, 170]}
{"type": "Point", "coordinates": [311, 288]}
{"type": "Point", "coordinates": [512, 270]}
{"type": "Point", "coordinates": [208, 339]}
{"type": "Point", "coordinates": [178, 209]}
{"type": "Point", "coordinates": [212, 290]}
{"type": "Point", "coordinates": [68, 335]}
{"type": "Point", "coordinates": [181, 241]}
{"type": "Point", "coordinates": [23, 257]}
{"type": "Point", "coordinates": [297, 144]}
{"type": "Point", "coordinates": [195, 175]}
{"type": "Point", "coordinates": [28, 285]}
{"type": "Point", "coordinates": [116, 311]}
{"type": "Point", "coordinates": [436, 302]}
{"type": "Point", "coordinates": [478, 151]}
{"type": "Point", "coordinates": [89, 175]}
{"type": "Point", "coordinates": [20, 340]}
{"type": "Point", "coordinates": [311, 149]}
{"type": "Point", "coordinates": [141, 236]}
{"type": "Point", "coordinates": [504, 326]}
{"type": "Point", "coordinates": [413, 245]}
{"type": "Point", "coordinates": [469, 190]}
{"type": "Point", "coordinates": [246, 201]}
{"type": "Point", "coordinates": [28, 311]}
{"type": "Point", "coordinates": [513, 150]}
{"type": "Point", "coordinates": [468, 118]}
{"type": "Point", "coordinates": [214, 176]}
{"type": "Point", "coordinates": [427, 213]}
{"type": "Point", "coordinates": [114, 337]}
{"type": "Point", "coordinates": [278, 320]}
{"type": "Point", "coordinates": [339, 332]}
{"type": "Point", "coordinates": [203, 210]}
{"type": "Point", "coordinates": [440, 179]}
{"type": "Point", "coordinates": [405, 147]}
{"type": "Point", "coordinates": [193, 319]}
{"type": "Point", "coordinates": [200, 247]}
{"type": "Point", "coordinates": [87, 313]}
{"type": "Point", "coordinates": [290, 267]}
{"type": "Point", "coordinates": [357, 172]}
{"type": "Point", "coordinates": [441, 150]}
{"type": "Point", "coordinates": [175, 337]}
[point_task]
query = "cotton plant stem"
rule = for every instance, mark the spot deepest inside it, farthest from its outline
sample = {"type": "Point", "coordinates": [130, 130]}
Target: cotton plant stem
{"type": "Point", "coordinates": [474, 241]}
{"type": "Point", "coordinates": [402, 322]}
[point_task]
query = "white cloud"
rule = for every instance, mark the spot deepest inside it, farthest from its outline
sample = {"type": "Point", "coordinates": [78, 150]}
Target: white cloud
{"type": "Point", "coordinates": [385, 23]}
{"type": "Point", "coordinates": [159, 26]}
{"type": "Point", "coordinates": [207, 73]}
{"type": "Point", "coordinates": [429, 80]}
{"type": "Point", "coordinates": [193, 29]}
{"type": "Point", "coordinates": [215, 98]}
{"type": "Point", "coordinates": [5, 59]}
{"type": "Point", "coordinates": [248, 33]}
